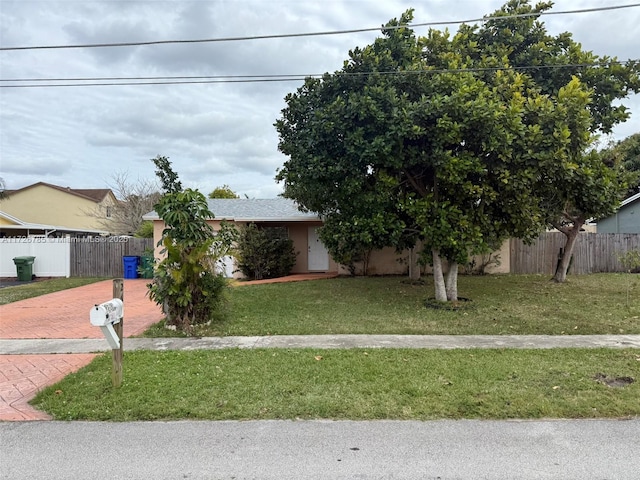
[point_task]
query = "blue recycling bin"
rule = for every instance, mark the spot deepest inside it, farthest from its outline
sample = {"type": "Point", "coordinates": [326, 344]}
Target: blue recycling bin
{"type": "Point", "coordinates": [130, 264]}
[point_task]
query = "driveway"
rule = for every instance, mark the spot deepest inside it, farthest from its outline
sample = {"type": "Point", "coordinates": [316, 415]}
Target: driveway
{"type": "Point", "coordinates": [63, 314]}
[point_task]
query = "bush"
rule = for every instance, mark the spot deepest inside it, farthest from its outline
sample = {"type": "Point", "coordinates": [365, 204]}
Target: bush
{"type": "Point", "coordinates": [145, 230]}
{"type": "Point", "coordinates": [264, 252]}
{"type": "Point", "coordinates": [186, 284]}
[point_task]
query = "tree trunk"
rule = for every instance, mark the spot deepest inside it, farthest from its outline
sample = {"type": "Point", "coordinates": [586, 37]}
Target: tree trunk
{"type": "Point", "coordinates": [414, 267]}
{"type": "Point", "coordinates": [438, 277]}
{"type": "Point", "coordinates": [563, 266]}
{"type": "Point", "coordinates": [452, 282]}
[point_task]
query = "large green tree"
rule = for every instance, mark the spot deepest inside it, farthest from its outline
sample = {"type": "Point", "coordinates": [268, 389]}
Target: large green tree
{"type": "Point", "coordinates": [583, 184]}
{"type": "Point", "coordinates": [459, 140]}
{"type": "Point", "coordinates": [407, 137]}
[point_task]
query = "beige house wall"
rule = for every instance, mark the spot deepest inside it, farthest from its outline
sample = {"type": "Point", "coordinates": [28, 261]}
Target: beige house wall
{"type": "Point", "coordinates": [389, 262]}
{"type": "Point", "coordinates": [381, 262]}
{"type": "Point", "coordinates": [50, 206]}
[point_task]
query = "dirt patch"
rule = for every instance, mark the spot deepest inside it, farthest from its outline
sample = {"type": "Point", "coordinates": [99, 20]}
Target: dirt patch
{"type": "Point", "coordinates": [13, 281]}
{"type": "Point", "coordinates": [460, 304]}
{"type": "Point", "coordinates": [616, 382]}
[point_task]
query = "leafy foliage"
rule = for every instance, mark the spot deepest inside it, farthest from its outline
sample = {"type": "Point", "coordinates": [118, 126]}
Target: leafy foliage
{"type": "Point", "coordinates": [264, 252]}
{"type": "Point", "coordinates": [145, 230]}
{"type": "Point", "coordinates": [223, 192]}
{"type": "Point", "coordinates": [186, 283]}
{"type": "Point", "coordinates": [627, 154]}
{"type": "Point", "coordinates": [449, 159]}
{"type": "Point", "coordinates": [582, 184]}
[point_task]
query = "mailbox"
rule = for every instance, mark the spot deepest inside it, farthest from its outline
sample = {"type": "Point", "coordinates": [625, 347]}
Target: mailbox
{"type": "Point", "coordinates": [107, 313]}
{"type": "Point", "coordinates": [104, 316]}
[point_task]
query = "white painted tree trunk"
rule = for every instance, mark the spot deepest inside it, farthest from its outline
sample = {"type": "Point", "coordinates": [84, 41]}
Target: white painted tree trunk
{"type": "Point", "coordinates": [438, 277]}
{"type": "Point", "coordinates": [452, 282]}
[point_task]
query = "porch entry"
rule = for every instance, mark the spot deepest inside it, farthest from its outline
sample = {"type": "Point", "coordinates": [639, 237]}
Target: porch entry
{"type": "Point", "coordinates": [318, 256]}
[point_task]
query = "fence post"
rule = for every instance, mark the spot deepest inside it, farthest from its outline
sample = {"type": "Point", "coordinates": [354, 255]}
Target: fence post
{"type": "Point", "coordinates": [117, 354]}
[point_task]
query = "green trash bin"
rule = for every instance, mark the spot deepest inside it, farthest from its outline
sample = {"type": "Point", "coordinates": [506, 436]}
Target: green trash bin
{"type": "Point", "coordinates": [24, 267]}
{"type": "Point", "coordinates": [146, 266]}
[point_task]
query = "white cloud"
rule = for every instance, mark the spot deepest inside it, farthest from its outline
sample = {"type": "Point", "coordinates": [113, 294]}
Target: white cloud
{"type": "Point", "coordinates": [214, 133]}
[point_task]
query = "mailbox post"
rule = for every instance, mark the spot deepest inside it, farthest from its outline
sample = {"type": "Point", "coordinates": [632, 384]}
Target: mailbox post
{"type": "Point", "coordinates": [109, 316]}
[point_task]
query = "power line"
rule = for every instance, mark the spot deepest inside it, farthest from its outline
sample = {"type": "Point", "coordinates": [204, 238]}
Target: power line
{"type": "Point", "coordinates": [191, 80]}
{"type": "Point", "coordinates": [316, 34]}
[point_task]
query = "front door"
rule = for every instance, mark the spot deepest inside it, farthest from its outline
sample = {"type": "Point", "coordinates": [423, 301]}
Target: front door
{"type": "Point", "coordinates": [318, 260]}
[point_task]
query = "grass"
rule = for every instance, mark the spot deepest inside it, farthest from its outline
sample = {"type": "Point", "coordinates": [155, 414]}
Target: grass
{"type": "Point", "coordinates": [351, 384]}
{"type": "Point", "coordinates": [42, 287]}
{"type": "Point", "coordinates": [500, 305]}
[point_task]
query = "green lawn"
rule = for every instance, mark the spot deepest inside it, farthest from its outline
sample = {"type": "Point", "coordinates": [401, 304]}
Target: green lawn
{"type": "Point", "coordinates": [42, 287]}
{"type": "Point", "coordinates": [500, 304]}
{"type": "Point", "coordinates": [376, 383]}
{"type": "Point", "coordinates": [352, 384]}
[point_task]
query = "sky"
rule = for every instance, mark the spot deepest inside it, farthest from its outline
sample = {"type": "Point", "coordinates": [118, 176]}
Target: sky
{"type": "Point", "coordinates": [215, 133]}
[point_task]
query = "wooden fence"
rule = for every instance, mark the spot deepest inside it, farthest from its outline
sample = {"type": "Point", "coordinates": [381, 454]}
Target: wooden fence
{"type": "Point", "coordinates": [102, 256]}
{"type": "Point", "coordinates": [593, 253]}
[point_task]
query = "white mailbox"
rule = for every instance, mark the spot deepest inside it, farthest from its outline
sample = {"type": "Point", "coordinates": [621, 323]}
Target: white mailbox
{"type": "Point", "coordinates": [107, 313]}
{"type": "Point", "coordinates": [104, 316]}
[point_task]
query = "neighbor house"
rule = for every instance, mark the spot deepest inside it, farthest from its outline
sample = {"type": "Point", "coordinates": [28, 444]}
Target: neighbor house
{"type": "Point", "coordinates": [11, 226]}
{"type": "Point", "coordinates": [63, 207]}
{"type": "Point", "coordinates": [625, 220]}
{"type": "Point", "coordinates": [302, 228]}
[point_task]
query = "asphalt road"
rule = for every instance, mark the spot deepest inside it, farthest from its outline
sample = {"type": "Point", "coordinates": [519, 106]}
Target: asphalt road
{"type": "Point", "coordinates": [445, 450]}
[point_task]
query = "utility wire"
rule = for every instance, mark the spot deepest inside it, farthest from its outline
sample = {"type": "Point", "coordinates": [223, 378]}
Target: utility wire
{"type": "Point", "coordinates": [191, 80]}
{"type": "Point", "coordinates": [316, 34]}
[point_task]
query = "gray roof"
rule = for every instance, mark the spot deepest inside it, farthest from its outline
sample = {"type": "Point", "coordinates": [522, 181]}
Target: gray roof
{"type": "Point", "coordinates": [631, 199]}
{"type": "Point", "coordinates": [254, 210]}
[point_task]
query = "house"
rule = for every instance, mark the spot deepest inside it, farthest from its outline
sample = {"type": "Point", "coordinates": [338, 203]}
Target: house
{"type": "Point", "coordinates": [65, 208]}
{"type": "Point", "coordinates": [301, 227]}
{"type": "Point", "coordinates": [625, 220]}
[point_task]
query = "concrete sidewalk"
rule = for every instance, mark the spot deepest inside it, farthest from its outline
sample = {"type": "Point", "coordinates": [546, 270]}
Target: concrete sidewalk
{"type": "Point", "coordinates": [85, 346]}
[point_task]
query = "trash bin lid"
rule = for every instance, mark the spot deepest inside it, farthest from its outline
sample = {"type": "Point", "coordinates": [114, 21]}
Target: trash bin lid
{"type": "Point", "coordinates": [25, 259]}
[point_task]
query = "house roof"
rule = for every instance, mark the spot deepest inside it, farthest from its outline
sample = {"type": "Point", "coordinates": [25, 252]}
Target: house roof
{"type": "Point", "coordinates": [254, 210]}
{"type": "Point", "coordinates": [93, 194]}
{"type": "Point", "coordinates": [22, 225]}
{"type": "Point", "coordinates": [631, 199]}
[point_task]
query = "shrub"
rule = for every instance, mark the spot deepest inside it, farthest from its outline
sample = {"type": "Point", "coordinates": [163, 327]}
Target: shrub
{"type": "Point", "coordinates": [264, 252]}
{"type": "Point", "coordinates": [145, 230]}
{"type": "Point", "coordinates": [186, 284]}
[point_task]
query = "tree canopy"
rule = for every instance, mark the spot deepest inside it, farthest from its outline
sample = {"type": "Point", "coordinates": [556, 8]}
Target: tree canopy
{"type": "Point", "coordinates": [626, 152]}
{"type": "Point", "coordinates": [440, 140]}
{"type": "Point", "coordinates": [223, 192]}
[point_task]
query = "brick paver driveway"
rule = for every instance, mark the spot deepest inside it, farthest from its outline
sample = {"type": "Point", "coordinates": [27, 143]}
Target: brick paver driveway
{"type": "Point", "coordinates": [62, 314]}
